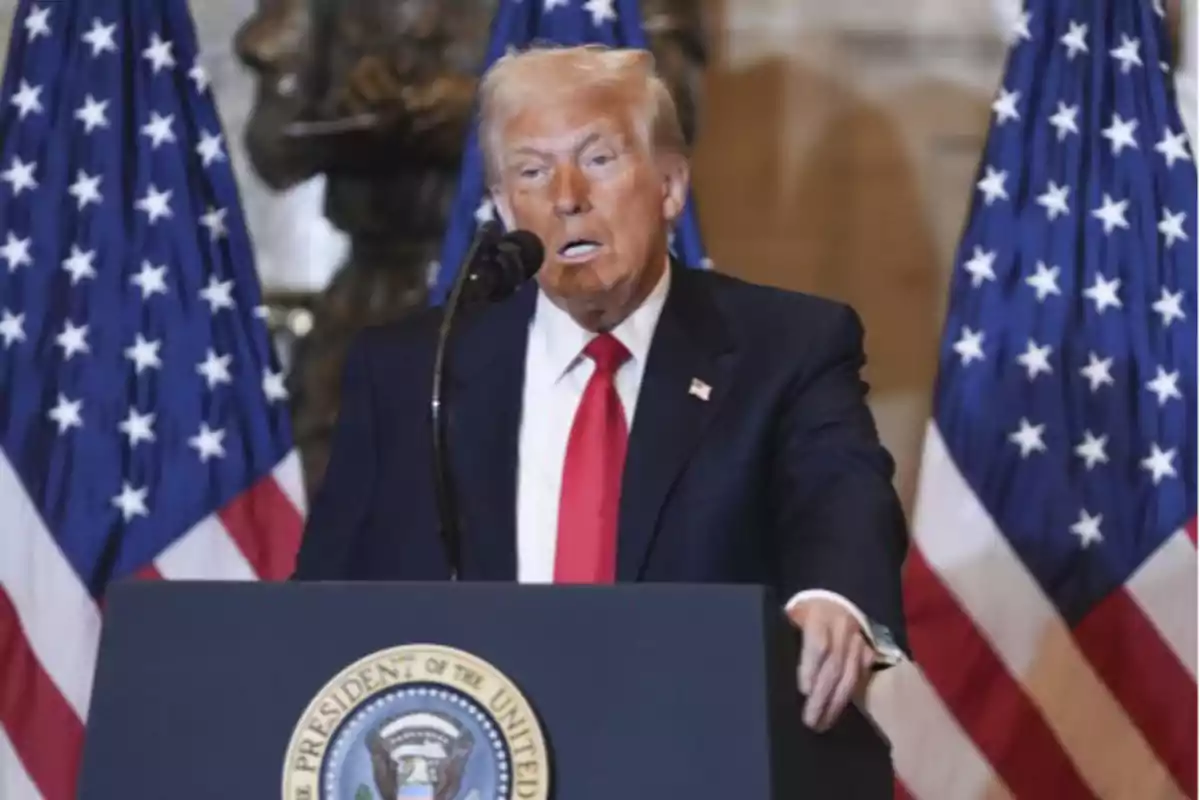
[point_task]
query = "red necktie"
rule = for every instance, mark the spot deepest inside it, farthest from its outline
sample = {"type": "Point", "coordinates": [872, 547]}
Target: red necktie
{"type": "Point", "coordinates": [591, 489]}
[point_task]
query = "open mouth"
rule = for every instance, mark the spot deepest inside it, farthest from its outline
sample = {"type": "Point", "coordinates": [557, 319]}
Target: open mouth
{"type": "Point", "coordinates": [579, 249]}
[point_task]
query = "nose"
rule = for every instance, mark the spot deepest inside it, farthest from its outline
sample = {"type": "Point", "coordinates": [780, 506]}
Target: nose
{"type": "Point", "coordinates": [570, 191]}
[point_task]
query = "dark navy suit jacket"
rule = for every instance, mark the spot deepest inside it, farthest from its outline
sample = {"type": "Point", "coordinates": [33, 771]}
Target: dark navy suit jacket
{"type": "Point", "coordinates": [778, 478]}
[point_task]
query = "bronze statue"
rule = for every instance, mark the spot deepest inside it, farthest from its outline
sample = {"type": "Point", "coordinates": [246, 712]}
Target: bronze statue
{"type": "Point", "coordinates": [377, 96]}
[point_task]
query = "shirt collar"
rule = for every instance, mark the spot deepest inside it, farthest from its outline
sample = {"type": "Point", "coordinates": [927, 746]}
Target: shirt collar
{"type": "Point", "coordinates": [562, 339]}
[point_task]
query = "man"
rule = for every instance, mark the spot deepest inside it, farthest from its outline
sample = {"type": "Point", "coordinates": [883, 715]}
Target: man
{"type": "Point", "coordinates": [621, 418]}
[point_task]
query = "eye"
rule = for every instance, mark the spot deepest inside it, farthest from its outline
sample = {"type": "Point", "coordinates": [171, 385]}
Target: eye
{"type": "Point", "coordinates": [528, 171]}
{"type": "Point", "coordinates": [600, 159]}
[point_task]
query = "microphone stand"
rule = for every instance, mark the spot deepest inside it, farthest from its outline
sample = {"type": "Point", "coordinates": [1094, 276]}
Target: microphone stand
{"type": "Point", "coordinates": [443, 478]}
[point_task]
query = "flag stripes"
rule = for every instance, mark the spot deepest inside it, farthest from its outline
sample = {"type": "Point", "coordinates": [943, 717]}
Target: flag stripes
{"type": "Point", "coordinates": [46, 733]}
{"type": "Point", "coordinates": [1056, 713]}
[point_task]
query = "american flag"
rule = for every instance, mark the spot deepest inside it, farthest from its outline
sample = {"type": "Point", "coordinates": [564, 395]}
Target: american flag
{"type": "Point", "coordinates": [1052, 592]}
{"type": "Point", "coordinates": [144, 430]}
{"type": "Point", "coordinates": [519, 24]}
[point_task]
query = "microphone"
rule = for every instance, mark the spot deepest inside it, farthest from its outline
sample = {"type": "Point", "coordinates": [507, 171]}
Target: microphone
{"type": "Point", "coordinates": [495, 266]}
{"type": "Point", "coordinates": [501, 269]}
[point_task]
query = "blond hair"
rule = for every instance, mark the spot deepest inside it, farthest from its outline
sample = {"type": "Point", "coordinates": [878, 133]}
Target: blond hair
{"type": "Point", "coordinates": [544, 74]}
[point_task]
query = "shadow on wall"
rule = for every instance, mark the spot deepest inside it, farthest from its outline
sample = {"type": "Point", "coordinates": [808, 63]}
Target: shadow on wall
{"type": "Point", "coordinates": [803, 183]}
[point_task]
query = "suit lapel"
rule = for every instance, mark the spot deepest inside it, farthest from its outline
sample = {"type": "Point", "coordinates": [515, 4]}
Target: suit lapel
{"type": "Point", "coordinates": [485, 417]}
{"type": "Point", "coordinates": [687, 376]}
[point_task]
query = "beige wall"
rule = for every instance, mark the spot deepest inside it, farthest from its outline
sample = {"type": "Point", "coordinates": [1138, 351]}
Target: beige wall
{"type": "Point", "coordinates": [836, 156]}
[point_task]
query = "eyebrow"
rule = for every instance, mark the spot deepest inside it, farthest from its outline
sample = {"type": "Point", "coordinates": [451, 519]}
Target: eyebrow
{"type": "Point", "coordinates": [530, 150]}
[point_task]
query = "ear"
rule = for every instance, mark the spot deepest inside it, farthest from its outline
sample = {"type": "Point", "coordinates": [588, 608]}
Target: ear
{"type": "Point", "coordinates": [503, 208]}
{"type": "Point", "coordinates": [676, 176]}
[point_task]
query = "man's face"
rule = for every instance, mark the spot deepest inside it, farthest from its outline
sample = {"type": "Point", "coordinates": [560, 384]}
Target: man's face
{"type": "Point", "coordinates": [577, 173]}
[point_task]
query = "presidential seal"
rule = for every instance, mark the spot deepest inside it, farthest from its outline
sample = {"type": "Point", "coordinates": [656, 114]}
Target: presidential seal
{"type": "Point", "coordinates": [418, 722]}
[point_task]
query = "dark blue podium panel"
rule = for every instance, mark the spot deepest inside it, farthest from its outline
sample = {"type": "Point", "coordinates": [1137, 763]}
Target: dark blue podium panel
{"type": "Point", "coordinates": [638, 691]}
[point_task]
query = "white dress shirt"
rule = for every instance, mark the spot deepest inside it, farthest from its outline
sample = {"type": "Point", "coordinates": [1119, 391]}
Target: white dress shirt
{"type": "Point", "coordinates": [556, 373]}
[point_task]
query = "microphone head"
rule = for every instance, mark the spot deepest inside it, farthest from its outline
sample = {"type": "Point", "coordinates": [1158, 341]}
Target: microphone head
{"type": "Point", "coordinates": [501, 265]}
{"type": "Point", "coordinates": [519, 255]}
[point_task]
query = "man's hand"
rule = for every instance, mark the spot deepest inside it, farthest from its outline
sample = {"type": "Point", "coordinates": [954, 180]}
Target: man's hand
{"type": "Point", "coordinates": [835, 660]}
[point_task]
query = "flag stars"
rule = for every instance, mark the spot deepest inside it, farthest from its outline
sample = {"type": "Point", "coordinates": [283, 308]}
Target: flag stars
{"type": "Point", "coordinates": [1112, 214]}
{"type": "Point", "coordinates": [208, 442]}
{"type": "Point", "coordinates": [12, 327]}
{"type": "Point", "coordinates": [28, 100]}
{"type": "Point", "coordinates": [1104, 293]}
{"type": "Point", "coordinates": [86, 189]}
{"type": "Point", "coordinates": [1005, 106]}
{"type": "Point", "coordinates": [199, 76]}
{"type": "Point", "coordinates": [144, 354]}
{"type": "Point", "coordinates": [1092, 450]}
{"type": "Point", "coordinates": [1064, 120]}
{"type": "Point", "coordinates": [80, 264]}
{"type": "Point", "coordinates": [138, 427]}
{"type": "Point", "coordinates": [150, 279]}
{"type": "Point", "coordinates": [66, 414]}
{"type": "Point", "coordinates": [1075, 39]}
{"type": "Point", "coordinates": [1127, 53]}
{"type": "Point", "coordinates": [992, 185]}
{"type": "Point", "coordinates": [1169, 306]}
{"type": "Point", "coordinates": [158, 129]}
{"type": "Point", "coordinates": [1020, 28]}
{"type": "Point", "coordinates": [156, 204]}
{"type": "Point", "coordinates": [101, 38]}
{"type": "Point", "coordinates": [1044, 281]}
{"type": "Point", "coordinates": [217, 294]}
{"type": "Point", "coordinates": [1171, 226]}
{"type": "Point", "coordinates": [1173, 147]}
{"type": "Point", "coordinates": [1120, 133]}
{"type": "Point", "coordinates": [16, 252]}
{"type": "Point", "coordinates": [73, 340]}
{"type": "Point", "coordinates": [214, 368]}
{"type": "Point", "coordinates": [19, 176]}
{"type": "Point", "coordinates": [601, 11]}
{"type": "Point", "coordinates": [214, 220]}
{"type": "Point", "coordinates": [1035, 359]}
{"type": "Point", "coordinates": [131, 502]}
{"type": "Point", "coordinates": [981, 266]}
{"type": "Point", "coordinates": [159, 53]}
{"type": "Point", "coordinates": [273, 386]}
{"type": "Point", "coordinates": [969, 346]}
{"type": "Point", "coordinates": [1028, 438]}
{"type": "Point", "coordinates": [550, 5]}
{"type": "Point", "coordinates": [1160, 463]}
{"type": "Point", "coordinates": [1098, 371]}
{"type": "Point", "coordinates": [1165, 386]}
{"type": "Point", "coordinates": [486, 211]}
{"type": "Point", "coordinates": [209, 148]}
{"type": "Point", "coordinates": [1088, 528]}
{"type": "Point", "coordinates": [37, 23]}
{"type": "Point", "coordinates": [93, 114]}
{"type": "Point", "coordinates": [1054, 200]}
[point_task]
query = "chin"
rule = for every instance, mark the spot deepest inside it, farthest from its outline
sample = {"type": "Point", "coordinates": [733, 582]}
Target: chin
{"type": "Point", "coordinates": [575, 281]}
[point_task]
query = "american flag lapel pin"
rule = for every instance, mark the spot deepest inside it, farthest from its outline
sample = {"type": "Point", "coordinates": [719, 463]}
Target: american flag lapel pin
{"type": "Point", "coordinates": [700, 389]}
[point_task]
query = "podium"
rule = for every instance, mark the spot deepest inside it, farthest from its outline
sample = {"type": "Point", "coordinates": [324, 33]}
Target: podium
{"type": "Point", "coordinates": [460, 691]}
